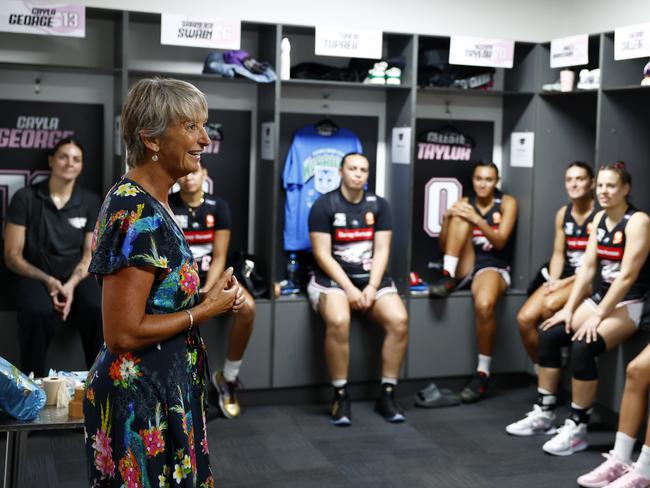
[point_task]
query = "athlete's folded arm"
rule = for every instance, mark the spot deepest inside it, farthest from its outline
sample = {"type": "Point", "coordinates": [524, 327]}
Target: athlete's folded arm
{"type": "Point", "coordinates": [321, 243]}
{"type": "Point", "coordinates": [637, 246]}
{"type": "Point", "coordinates": [586, 272]}
{"type": "Point", "coordinates": [499, 238]}
{"type": "Point", "coordinates": [380, 254]}
{"type": "Point", "coordinates": [557, 258]}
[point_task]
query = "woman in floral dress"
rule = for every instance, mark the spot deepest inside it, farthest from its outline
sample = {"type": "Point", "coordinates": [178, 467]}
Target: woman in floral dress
{"type": "Point", "coordinates": [145, 398]}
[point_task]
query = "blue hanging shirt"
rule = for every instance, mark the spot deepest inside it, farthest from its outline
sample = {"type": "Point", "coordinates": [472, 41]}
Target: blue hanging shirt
{"type": "Point", "coordinates": [311, 170]}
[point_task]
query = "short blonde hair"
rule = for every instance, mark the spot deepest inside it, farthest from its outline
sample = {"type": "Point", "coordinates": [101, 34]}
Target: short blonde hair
{"type": "Point", "coordinates": [151, 105]}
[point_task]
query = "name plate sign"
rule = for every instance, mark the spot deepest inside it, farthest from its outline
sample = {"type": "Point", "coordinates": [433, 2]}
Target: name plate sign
{"type": "Point", "coordinates": [632, 42]}
{"type": "Point", "coordinates": [570, 51]}
{"type": "Point", "coordinates": [348, 42]}
{"type": "Point", "coordinates": [479, 51]}
{"type": "Point", "coordinates": [216, 33]}
{"type": "Point", "coordinates": [50, 19]}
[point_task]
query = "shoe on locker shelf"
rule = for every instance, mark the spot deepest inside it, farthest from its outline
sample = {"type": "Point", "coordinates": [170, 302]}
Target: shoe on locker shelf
{"type": "Point", "coordinates": [377, 75]}
{"type": "Point", "coordinates": [393, 76]}
{"type": "Point", "coordinates": [589, 79]}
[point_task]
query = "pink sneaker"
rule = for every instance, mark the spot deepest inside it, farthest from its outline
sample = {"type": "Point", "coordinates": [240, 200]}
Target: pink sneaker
{"type": "Point", "coordinates": [611, 469]}
{"type": "Point", "coordinates": [630, 480]}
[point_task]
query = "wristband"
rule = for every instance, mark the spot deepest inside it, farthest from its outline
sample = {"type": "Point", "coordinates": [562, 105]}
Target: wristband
{"type": "Point", "coordinates": [189, 312]}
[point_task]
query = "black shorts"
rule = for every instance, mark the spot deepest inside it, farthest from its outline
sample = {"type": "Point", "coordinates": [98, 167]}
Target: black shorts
{"type": "Point", "coordinates": [321, 283]}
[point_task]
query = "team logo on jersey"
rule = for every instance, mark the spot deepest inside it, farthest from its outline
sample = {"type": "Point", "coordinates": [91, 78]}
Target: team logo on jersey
{"type": "Point", "coordinates": [181, 220]}
{"type": "Point", "coordinates": [78, 222]}
{"type": "Point", "coordinates": [496, 217]}
{"type": "Point", "coordinates": [370, 218]}
{"type": "Point", "coordinates": [568, 228]}
{"type": "Point", "coordinates": [600, 233]}
{"type": "Point", "coordinates": [209, 221]}
{"type": "Point", "coordinates": [339, 220]}
{"type": "Point", "coordinates": [326, 179]}
{"type": "Point", "coordinates": [618, 237]}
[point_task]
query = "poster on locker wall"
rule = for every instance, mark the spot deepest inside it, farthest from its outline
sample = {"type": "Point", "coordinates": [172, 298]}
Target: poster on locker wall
{"type": "Point", "coordinates": [445, 154]}
{"type": "Point", "coordinates": [28, 131]}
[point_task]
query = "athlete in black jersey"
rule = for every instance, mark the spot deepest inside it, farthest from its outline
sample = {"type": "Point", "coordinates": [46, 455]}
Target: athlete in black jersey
{"type": "Point", "coordinates": [618, 250]}
{"type": "Point", "coordinates": [205, 220]}
{"type": "Point", "coordinates": [475, 240]}
{"type": "Point", "coordinates": [350, 231]}
{"type": "Point", "coordinates": [573, 224]}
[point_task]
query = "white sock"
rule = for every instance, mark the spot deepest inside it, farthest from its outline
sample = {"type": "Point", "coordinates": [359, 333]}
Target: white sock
{"type": "Point", "coordinates": [484, 364]}
{"type": "Point", "coordinates": [390, 381]}
{"type": "Point", "coordinates": [340, 383]}
{"type": "Point", "coordinates": [449, 264]}
{"type": "Point", "coordinates": [623, 447]}
{"type": "Point", "coordinates": [642, 465]}
{"type": "Point", "coordinates": [231, 370]}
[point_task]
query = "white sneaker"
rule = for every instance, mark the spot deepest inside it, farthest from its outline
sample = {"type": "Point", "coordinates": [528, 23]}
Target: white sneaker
{"type": "Point", "coordinates": [393, 76]}
{"type": "Point", "coordinates": [377, 75]}
{"type": "Point", "coordinates": [605, 473]}
{"type": "Point", "coordinates": [570, 438]}
{"type": "Point", "coordinates": [537, 421]}
{"type": "Point", "coordinates": [632, 479]}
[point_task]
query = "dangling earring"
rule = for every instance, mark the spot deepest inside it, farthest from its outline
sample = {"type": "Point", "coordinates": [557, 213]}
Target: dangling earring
{"type": "Point", "coordinates": [154, 157]}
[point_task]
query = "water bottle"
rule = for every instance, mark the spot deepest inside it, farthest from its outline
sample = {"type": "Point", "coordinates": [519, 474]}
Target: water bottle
{"type": "Point", "coordinates": [285, 59]}
{"type": "Point", "coordinates": [292, 269]}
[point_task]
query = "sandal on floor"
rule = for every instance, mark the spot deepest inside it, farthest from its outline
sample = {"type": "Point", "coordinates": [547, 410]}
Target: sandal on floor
{"type": "Point", "coordinates": [432, 397]}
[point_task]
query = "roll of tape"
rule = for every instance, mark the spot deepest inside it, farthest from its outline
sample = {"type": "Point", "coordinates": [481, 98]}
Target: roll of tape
{"type": "Point", "coordinates": [51, 387]}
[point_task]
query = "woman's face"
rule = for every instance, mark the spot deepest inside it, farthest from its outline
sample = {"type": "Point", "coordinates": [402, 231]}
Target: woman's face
{"type": "Point", "coordinates": [66, 163]}
{"type": "Point", "coordinates": [484, 180]}
{"type": "Point", "coordinates": [354, 172]}
{"type": "Point", "coordinates": [193, 182]}
{"type": "Point", "coordinates": [182, 144]}
{"type": "Point", "coordinates": [610, 190]}
{"type": "Point", "coordinates": [577, 182]}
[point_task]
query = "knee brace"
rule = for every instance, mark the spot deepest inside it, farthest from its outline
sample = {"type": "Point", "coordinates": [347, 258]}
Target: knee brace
{"type": "Point", "coordinates": [551, 342]}
{"type": "Point", "coordinates": [583, 358]}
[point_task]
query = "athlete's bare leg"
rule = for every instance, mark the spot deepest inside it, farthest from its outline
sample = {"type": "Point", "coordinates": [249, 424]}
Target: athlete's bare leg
{"type": "Point", "coordinates": [487, 287]}
{"type": "Point", "coordinates": [389, 312]}
{"type": "Point", "coordinates": [335, 310]}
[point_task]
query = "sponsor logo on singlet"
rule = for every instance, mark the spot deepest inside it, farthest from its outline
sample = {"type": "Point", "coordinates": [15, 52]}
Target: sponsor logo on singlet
{"type": "Point", "coordinates": [370, 218]}
{"type": "Point", "coordinates": [618, 237]}
{"type": "Point", "coordinates": [209, 221]}
{"type": "Point", "coordinates": [348, 235]}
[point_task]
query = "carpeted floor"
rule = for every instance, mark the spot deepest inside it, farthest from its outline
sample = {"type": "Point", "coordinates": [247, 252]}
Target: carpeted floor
{"type": "Point", "coordinates": [294, 446]}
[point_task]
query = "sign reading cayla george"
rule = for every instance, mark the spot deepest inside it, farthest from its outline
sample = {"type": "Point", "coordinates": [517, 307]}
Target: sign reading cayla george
{"type": "Point", "coordinates": [50, 19]}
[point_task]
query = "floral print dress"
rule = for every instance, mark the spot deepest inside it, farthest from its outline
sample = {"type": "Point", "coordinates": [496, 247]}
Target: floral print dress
{"type": "Point", "coordinates": [145, 410]}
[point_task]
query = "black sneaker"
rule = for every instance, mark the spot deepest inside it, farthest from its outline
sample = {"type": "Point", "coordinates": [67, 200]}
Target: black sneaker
{"type": "Point", "coordinates": [476, 388]}
{"type": "Point", "coordinates": [341, 408]}
{"type": "Point", "coordinates": [443, 286]}
{"type": "Point", "coordinates": [387, 406]}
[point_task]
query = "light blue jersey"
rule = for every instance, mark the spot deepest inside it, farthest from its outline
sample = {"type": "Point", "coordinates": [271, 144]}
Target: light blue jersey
{"type": "Point", "coordinates": [311, 170]}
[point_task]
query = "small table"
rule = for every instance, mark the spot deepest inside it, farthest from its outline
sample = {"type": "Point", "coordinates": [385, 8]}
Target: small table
{"type": "Point", "coordinates": [50, 418]}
